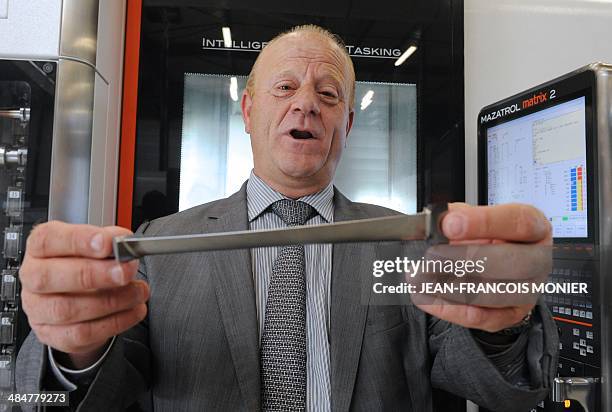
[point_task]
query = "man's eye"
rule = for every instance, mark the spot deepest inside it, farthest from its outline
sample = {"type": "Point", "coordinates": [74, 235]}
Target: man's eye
{"type": "Point", "coordinates": [328, 93]}
{"type": "Point", "coordinates": [284, 87]}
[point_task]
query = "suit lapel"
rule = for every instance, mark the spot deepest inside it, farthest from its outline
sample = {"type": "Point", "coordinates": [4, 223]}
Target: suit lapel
{"type": "Point", "coordinates": [236, 296]}
{"type": "Point", "coordinates": [348, 312]}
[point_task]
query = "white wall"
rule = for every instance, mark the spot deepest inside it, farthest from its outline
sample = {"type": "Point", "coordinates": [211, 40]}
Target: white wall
{"type": "Point", "coordinates": [512, 45]}
{"type": "Point", "coordinates": [30, 29]}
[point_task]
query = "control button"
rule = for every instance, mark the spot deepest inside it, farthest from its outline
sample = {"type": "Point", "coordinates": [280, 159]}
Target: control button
{"type": "Point", "coordinates": [589, 315]}
{"type": "Point", "coordinates": [589, 335]}
{"type": "Point", "coordinates": [568, 311]}
{"type": "Point", "coordinates": [582, 352]}
{"type": "Point", "coordinates": [582, 313]}
{"type": "Point", "coordinates": [589, 349]}
{"type": "Point", "coordinates": [556, 309]}
{"type": "Point", "coordinates": [576, 346]}
{"type": "Point", "coordinates": [576, 312]}
{"type": "Point", "coordinates": [576, 332]}
{"type": "Point", "coordinates": [582, 342]}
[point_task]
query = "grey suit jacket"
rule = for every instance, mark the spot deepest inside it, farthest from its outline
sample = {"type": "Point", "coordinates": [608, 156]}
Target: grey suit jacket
{"type": "Point", "coordinates": [198, 348]}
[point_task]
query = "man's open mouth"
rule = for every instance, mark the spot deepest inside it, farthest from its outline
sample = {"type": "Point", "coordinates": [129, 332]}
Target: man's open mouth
{"type": "Point", "coordinates": [301, 134]}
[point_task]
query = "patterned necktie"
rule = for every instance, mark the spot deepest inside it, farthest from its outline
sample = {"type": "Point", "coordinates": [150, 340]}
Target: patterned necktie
{"type": "Point", "coordinates": [283, 342]}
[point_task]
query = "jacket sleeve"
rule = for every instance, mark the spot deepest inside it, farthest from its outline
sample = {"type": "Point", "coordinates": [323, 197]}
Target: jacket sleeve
{"type": "Point", "coordinates": [460, 365]}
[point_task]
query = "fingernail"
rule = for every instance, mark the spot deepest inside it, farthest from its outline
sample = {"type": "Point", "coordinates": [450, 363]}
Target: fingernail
{"type": "Point", "coordinates": [542, 227]}
{"type": "Point", "coordinates": [97, 242]}
{"type": "Point", "coordinates": [117, 275]}
{"type": "Point", "coordinates": [453, 225]}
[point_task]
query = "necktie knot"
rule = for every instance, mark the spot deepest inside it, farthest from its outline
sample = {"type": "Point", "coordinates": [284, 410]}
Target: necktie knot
{"type": "Point", "coordinates": [293, 212]}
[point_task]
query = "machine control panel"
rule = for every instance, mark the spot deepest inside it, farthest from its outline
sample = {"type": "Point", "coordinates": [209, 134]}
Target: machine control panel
{"type": "Point", "coordinates": [551, 147]}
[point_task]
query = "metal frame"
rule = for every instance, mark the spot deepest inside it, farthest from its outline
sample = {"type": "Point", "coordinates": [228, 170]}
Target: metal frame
{"type": "Point", "coordinates": [603, 75]}
{"type": "Point", "coordinates": [74, 106]}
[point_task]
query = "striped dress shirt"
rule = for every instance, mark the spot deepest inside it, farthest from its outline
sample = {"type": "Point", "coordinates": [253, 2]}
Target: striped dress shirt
{"type": "Point", "coordinates": [318, 282]}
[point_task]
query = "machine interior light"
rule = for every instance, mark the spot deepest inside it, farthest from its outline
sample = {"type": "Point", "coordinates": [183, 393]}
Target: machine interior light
{"type": "Point", "coordinates": [405, 55]}
{"type": "Point", "coordinates": [234, 89]}
{"type": "Point", "coordinates": [367, 99]}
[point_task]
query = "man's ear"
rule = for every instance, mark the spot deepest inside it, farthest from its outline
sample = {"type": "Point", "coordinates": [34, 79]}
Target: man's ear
{"type": "Point", "coordinates": [349, 123]}
{"type": "Point", "coordinates": [245, 104]}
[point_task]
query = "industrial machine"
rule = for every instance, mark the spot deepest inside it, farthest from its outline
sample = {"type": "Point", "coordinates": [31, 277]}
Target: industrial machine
{"type": "Point", "coordinates": [60, 68]}
{"type": "Point", "coordinates": [192, 59]}
{"type": "Point", "coordinates": [550, 146]}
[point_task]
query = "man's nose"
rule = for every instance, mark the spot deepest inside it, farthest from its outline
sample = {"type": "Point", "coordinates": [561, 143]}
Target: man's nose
{"type": "Point", "coordinates": [306, 101]}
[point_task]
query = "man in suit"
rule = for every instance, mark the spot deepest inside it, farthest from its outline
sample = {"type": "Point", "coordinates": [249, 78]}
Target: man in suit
{"type": "Point", "coordinates": [213, 331]}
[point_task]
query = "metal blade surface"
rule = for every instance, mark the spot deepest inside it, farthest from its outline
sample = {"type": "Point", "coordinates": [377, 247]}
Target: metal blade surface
{"type": "Point", "coordinates": [419, 226]}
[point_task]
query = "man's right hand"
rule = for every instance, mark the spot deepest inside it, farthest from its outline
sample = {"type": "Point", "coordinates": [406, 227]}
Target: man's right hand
{"type": "Point", "coordinates": [75, 298]}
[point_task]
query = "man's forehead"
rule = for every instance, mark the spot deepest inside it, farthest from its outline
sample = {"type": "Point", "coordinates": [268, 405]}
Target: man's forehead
{"type": "Point", "coordinates": [307, 47]}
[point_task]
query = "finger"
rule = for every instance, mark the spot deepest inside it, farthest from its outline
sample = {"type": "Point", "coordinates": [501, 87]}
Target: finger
{"type": "Point", "coordinates": [57, 239]}
{"type": "Point", "coordinates": [475, 242]}
{"type": "Point", "coordinates": [52, 275]}
{"type": "Point", "coordinates": [475, 317]}
{"type": "Point", "coordinates": [65, 309]}
{"type": "Point", "coordinates": [458, 205]}
{"type": "Point", "coordinates": [488, 262]}
{"type": "Point", "coordinates": [86, 336]}
{"type": "Point", "coordinates": [483, 297]}
{"type": "Point", "coordinates": [512, 222]}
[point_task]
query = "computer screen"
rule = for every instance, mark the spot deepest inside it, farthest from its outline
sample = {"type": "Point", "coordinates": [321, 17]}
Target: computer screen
{"type": "Point", "coordinates": [540, 159]}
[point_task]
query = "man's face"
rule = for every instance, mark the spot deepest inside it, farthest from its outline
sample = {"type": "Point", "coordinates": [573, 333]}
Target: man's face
{"type": "Point", "coordinates": [298, 116]}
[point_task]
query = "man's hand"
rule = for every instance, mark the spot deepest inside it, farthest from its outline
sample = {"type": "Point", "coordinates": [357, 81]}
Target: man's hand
{"type": "Point", "coordinates": [75, 299]}
{"type": "Point", "coordinates": [466, 224]}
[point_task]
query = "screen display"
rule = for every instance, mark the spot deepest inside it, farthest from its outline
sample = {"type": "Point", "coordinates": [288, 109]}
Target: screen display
{"type": "Point", "coordinates": [540, 159]}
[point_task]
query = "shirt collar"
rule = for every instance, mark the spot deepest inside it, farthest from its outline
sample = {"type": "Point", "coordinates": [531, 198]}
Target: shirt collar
{"type": "Point", "coordinates": [260, 196]}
